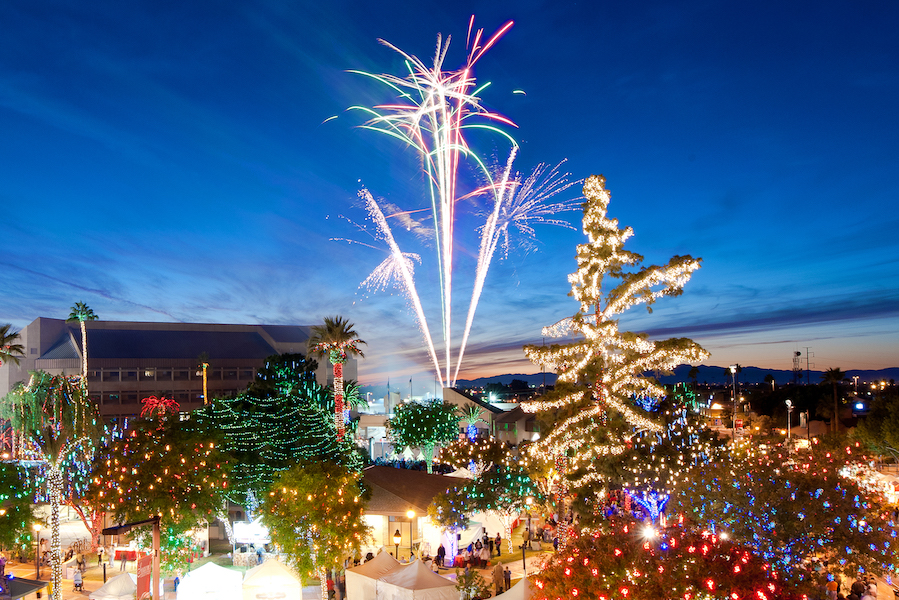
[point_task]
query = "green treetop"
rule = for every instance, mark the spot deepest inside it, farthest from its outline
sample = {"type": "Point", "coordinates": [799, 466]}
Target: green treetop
{"type": "Point", "coordinates": [424, 426]}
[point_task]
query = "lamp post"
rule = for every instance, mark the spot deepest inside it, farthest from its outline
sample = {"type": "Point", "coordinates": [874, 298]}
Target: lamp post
{"type": "Point", "coordinates": [528, 502]}
{"type": "Point", "coordinates": [789, 404]}
{"type": "Point", "coordinates": [397, 538]}
{"type": "Point", "coordinates": [411, 514]}
{"type": "Point", "coordinates": [37, 550]}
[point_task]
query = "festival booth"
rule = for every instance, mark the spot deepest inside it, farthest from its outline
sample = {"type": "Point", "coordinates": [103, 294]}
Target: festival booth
{"type": "Point", "coordinates": [414, 581]}
{"type": "Point", "coordinates": [523, 590]}
{"type": "Point", "coordinates": [211, 582]}
{"type": "Point", "coordinates": [361, 580]}
{"type": "Point", "coordinates": [271, 579]}
{"type": "Point", "coordinates": [120, 587]}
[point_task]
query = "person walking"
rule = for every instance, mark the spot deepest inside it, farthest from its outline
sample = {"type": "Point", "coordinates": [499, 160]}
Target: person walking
{"type": "Point", "coordinates": [499, 579]}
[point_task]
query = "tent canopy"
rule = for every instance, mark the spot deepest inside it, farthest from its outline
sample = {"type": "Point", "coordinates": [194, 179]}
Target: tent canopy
{"type": "Point", "coordinates": [272, 576]}
{"type": "Point", "coordinates": [120, 587]}
{"type": "Point", "coordinates": [523, 590]}
{"type": "Point", "coordinates": [415, 581]}
{"type": "Point", "coordinates": [211, 581]}
{"type": "Point", "coordinates": [360, 581]}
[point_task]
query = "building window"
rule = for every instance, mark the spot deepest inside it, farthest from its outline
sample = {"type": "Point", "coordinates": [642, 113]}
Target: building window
{"type": "Point", "coordinates": [182, 375]}
{"type": "Point", "coordinates": [129, 375]}
{"type": "Point", "coordinates": [148, 374]}
{"type": "Point", "coordinates": [163, 374]}
{"type": "Point", "coordinates": [110, 375]}
{"type": "Point", "coordinates": [246, 374]}
{"type": "Point", "coordinates": [230, 375]}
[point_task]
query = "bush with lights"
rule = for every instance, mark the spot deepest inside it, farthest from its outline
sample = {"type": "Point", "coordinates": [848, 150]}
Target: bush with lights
{"type": "Point", "coordinates": [15, 507]}
{"type": "Point", "coordinates": [634, 561]}
{"type": "Point", "coordinates": [790, 508]}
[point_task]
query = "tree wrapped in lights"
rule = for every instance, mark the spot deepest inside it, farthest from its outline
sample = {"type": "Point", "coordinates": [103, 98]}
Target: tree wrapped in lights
{"type": "Point", "coordinates": [505, 493]}
{"type": "Point", "coordinates": [60, 428]}
{"type": "Point", "coordinates": [314, 515]}
{"type": "Point", "coordinates": [789, 508]}
{"type": "Point", "coordinates": [450, 510]}
{"type": "Point", "coordinates": [424, 425]}
{"type": "Point", "coordinates": [337, 340]}
{"type": "Point", "coordinates": [636, 562]}
{"type": "Point", "coordinates": [165, 467]}
{"type": "Point", "coordinates": [603, 396]}
{"type": "Point", "coordinates": [280, 420]}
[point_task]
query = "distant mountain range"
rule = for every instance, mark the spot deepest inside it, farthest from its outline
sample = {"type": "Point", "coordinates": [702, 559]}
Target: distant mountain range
{"type": "Point", "coordinates": [707, 374]}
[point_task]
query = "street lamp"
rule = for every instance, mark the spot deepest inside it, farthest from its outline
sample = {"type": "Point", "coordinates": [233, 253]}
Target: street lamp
{"type": "Point", "coordinates": [397, 538]}
{"type": "Point", "coordinates": [411, 514]}
{"type": "Point", "coordinates": [37, 550]}
{"type": "Point", "coordinates": [529, 501]}
{"type": "Point", "coordinates": [789, 404]}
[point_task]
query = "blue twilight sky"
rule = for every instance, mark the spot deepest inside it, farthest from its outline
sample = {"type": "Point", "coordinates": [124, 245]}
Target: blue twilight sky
{"type": "Point", "coordinates": [172, 161]}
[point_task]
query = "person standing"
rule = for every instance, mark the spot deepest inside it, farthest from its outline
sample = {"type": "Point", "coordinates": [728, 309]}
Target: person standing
{"type": "Point", "coordinates": [499, 544]}
{"type": "Point", "coordinates": [441, 554]}
{"type": "Point", "coordinates": [507, 579]}
{"type": "Point", "coordinates": [100, 551]}
{"type": "Point", "coordinates": [499, 579]}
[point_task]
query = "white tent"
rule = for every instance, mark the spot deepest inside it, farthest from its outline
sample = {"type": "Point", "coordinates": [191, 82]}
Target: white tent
{"type": "Point", "coordinates": [360, 581]}
{"type": "Point", "coordinates": [120, 587]}
{"type": "Point", "coordinates": [415, 581]}
{"type": "Point", "coordinates": [523, 590]}
{"type": "Point", "coordinates": [271, 577]}
{"type": "Point", "coordinates": [213, 582]}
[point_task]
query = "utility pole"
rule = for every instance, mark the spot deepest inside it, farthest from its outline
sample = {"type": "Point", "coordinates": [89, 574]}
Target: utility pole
{"type": "Point", "coordinates": [808, 366]}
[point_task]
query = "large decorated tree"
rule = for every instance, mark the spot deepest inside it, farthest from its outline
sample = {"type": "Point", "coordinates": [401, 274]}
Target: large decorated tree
{"type": "Point", "coordinates": [337, 340]}
{"type": "Point", "coordinates": [314, 515]}
{"type": "Point", "coordinates": [167, 467]}
{"type": "Point", "coordinates": [504, 493]}
{"type": "Point", "coordinates": [477, 455]}
{"type": "Point", "coordinates": [604, 403]}
{"type": "Point", "coordinates": [60, 428]}
{"type": "Point", "coordinates": [450, 511]}
{"type": "Point", "coordinates": [424, 425]}
{"type": "Point", "coordinates": [281, 419]}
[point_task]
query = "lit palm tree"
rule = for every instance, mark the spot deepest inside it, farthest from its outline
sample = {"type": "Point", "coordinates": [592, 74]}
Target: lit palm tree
{"type": "Point", "coordinates": [60, 428]}
{"type": "Point", "coordinates": [471, 415]}
{"type": "Point", "coordinates": [835, 377]}
{"type": "Point", "coordinates": [336, 339]}
{"type": "Point", "coordinates": [9, 350]}
{"type": "Point", "coordinates": [81, 312]}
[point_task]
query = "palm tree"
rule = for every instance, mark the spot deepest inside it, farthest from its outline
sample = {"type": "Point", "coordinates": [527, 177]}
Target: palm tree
{"type": "Point", "coordinates": [834, 376]}
{"type": "Point", "coordinates": [61, 428]}
{"type": "Point", "coordinates": [471, 415]}
{"type": "Point", "coordinates": [336, 339]}
{"type": "Point", "coordinates": [9, 350]}
{"type": "Point", "coordinates": [81, 312]}
{"type": "Point", "coordinates": [694, 375]}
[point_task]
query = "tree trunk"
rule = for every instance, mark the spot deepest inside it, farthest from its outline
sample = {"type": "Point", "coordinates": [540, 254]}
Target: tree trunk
{"type": "Point", "coordinates": [428, 451]}
{"type": "Point", "coordinates": [93, 522]}
{"type": "Point", "coordinates": [84, 352]}
{"type": "Point", "coordinates": [323, 578]}
{"type": "Point", "coordinates": [338, 400]}
{"type": "Point", "coordinates": [54, 483]}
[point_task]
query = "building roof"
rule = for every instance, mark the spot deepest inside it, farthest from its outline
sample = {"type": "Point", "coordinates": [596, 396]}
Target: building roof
{"type": "Point", "coordinates": [395, 491]}
{"type": "Point", "coordinates": [481, 403]}
{"type": "Point", "coordinates": [134, 340]}
{"type": "Point", "coordinates": [512, 416]}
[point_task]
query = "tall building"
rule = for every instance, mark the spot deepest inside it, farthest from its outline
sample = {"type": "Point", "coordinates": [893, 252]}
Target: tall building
{"type": "Point", "coordinates": [129, 361]}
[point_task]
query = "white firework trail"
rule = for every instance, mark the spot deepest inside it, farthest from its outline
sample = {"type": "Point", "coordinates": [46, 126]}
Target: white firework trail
{"type": "Point", "coordinates": [519, 204]}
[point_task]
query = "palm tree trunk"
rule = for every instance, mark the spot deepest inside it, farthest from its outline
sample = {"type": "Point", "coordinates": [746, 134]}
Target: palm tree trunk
{"type": "Point", "coordinates": [54, 483]}
{"type": "Point", "coordinates": [84, 352]}
{"type": "Point", "coordinates": [338, 400]}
